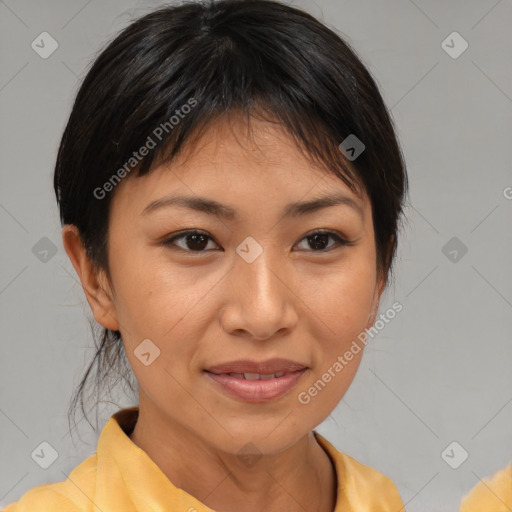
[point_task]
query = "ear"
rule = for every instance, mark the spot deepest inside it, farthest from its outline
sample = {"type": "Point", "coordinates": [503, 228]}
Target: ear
{"type": "Point", "coordinates": [94, 283]}
{"type": "Point", "coordinates": [381, 282]}
{"type": "Point", "coordinates": [380, 285]}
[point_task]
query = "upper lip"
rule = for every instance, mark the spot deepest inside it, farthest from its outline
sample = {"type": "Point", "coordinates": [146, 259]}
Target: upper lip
{"type": "Point", "coordinates": [263, 367]}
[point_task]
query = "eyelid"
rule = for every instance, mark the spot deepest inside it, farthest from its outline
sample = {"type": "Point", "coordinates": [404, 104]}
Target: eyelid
{"type": "Point", "coordinates": [168, 241]}
{"type": "Point", "coordinates": [340, 239]}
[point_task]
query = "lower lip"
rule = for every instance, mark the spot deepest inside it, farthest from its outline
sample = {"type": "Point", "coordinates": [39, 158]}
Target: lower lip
{"type": "Point", "coordinates": [257, 390]}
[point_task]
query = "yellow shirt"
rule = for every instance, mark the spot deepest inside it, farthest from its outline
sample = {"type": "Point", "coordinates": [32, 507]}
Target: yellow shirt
{"type": "Point", "coordinates": [492, 494]}
{"type": "Point", "coordinates": [121, 477]}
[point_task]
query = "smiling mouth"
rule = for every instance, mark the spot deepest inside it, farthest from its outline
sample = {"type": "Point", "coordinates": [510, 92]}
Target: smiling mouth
{"type": "Point", "coordinates": [253, 376]}
{"type": "Point", "coordinates": [256, 387]}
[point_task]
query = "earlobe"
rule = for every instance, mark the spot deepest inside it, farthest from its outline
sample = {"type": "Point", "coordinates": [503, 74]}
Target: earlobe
{"type": "Point", "coordinates": [94, 282]}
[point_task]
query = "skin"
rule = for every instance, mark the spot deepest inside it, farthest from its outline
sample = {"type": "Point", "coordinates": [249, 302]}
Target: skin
{"type": "Point", "coordinates": [294, 301]}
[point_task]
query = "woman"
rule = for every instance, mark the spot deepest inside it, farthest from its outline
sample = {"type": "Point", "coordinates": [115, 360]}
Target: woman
{"type": "Point", "coordinates": [230, 188]}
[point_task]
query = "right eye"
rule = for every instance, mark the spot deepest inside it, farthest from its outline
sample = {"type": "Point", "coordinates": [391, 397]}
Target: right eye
{"type": "Point", "coordinates": [192, 240]}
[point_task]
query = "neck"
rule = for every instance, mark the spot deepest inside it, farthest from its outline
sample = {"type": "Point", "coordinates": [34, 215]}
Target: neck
{"type": "Point", "coordinates": [300, 478]}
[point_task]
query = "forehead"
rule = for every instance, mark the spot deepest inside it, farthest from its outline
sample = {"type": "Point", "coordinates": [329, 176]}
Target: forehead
{"type": "Point", "coordinates": [233, 158]}
{"type": "Point", "coordinates": [260, 145]}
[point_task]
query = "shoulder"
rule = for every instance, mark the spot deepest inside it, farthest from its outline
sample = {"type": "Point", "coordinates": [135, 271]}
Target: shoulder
{"type": "Point", "coordinates": [361, 487]}
{"type": "Point", "coordinates": [44, 498]}
{"type": "Point", "coordinates": [368, 481]}
{"type": "Point", "coordinates": [492, 494]}
{"type": "Point", "coordinates": [75, 494]}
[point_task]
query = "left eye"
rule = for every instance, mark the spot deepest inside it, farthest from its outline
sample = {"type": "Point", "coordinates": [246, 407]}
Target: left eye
{"type": "Point", "coordinates": [318, 239]}
{"type": "Point", "coordinates": [197, 241]}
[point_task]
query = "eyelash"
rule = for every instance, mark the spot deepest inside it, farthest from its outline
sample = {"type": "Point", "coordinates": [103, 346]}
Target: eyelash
{"type": "Point", "coordinates": [170, 241]}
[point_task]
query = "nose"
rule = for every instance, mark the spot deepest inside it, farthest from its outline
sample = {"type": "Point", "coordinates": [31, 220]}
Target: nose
{"type": "Point", "coordinates": [259, 302]}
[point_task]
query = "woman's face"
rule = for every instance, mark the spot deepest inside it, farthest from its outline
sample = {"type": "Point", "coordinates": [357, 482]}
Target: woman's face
{"type": "Point", "coordinates": [253, 286]}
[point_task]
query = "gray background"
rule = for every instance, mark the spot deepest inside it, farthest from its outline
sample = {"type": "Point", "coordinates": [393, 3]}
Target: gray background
{"type": "Point", "coordinates": [439, 372]}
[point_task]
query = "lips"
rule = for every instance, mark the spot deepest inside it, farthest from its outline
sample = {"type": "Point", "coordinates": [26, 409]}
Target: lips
{"type": "Point", "coordinates": [254, 376]}
{"type": "Point", "coordinates": [251, 381]}
{"type": "Point", "coordinates": [268, 367]}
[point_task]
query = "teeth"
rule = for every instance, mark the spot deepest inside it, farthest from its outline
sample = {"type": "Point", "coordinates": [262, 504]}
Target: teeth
{"type": "Point", "coordinates": [258, 376]}
{"type": "Point", "coordinates": [251, 376]}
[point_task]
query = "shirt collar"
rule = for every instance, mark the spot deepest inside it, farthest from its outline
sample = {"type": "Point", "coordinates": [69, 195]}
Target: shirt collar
{"type": "Point", "coordinates": [127, 478]}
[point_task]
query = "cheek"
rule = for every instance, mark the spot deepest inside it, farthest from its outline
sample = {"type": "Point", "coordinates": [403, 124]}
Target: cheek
{"type": "Point", "coordinates": [342, 299]}
{"type": "Point", "coordinates": [342, 308]}
{"type": "Point", "coordinates": [149, 295]}
{"type": "Point", "coordinates": [155, 301]}
{"type": "Point", "coordinates": [170, 307]}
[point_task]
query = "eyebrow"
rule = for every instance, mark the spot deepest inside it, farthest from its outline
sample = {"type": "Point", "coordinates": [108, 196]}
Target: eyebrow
{"type": "Point", "coordinates": [212, 207]}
